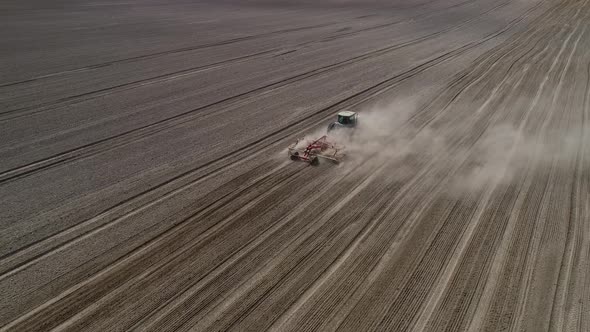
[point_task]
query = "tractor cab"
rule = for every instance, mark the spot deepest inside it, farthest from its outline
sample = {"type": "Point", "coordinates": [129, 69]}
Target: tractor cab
{"type": "Point", "coordinates": [346, 119]}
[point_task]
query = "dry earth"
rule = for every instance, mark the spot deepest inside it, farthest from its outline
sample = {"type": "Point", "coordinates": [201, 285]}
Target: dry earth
{"type": "Point", "coordinates": [144, 182]}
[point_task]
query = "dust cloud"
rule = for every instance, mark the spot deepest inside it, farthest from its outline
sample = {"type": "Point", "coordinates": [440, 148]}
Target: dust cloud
{"type": "Point", "coordinates": [505, 152]}
{"type": "Point", "coordinates": [497, 157]}
{"type": "Point", "coordinates": [386, 133]}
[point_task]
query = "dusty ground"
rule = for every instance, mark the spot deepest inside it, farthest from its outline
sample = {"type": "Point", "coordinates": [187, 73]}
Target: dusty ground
{"type": "Point", "coordinates": [144, 182]}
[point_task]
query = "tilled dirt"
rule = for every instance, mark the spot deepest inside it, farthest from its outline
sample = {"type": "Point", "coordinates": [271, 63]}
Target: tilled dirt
{"type": "Point", "coordinates": [145, 182]}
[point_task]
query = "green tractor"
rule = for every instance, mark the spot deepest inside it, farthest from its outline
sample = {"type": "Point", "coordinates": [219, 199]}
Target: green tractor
{"type": "Point", "coordinates": [346, 120]}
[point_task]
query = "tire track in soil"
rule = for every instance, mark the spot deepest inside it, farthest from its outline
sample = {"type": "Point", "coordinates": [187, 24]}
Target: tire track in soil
{"type": "Point", "coordinates": [512, 217]}
{"type": "Point", "coordinates": [450, 309]}
{"type": "Point", "coordinates": [208, 296]}
{"type": "Point", "coordinates": [165, 243]}
{"type": "Point", "coordinates": [573, 297]}
{"type": "Point", "coordinates": [375, 53]}
{"type": "Point", "coordinates": [167, 52]}
{"type": "Point", "coordinates": [70, 100]}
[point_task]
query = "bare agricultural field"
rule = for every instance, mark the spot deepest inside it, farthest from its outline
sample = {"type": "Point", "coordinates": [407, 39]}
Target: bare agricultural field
{"type": "Point", "coordinates": [145, 184]}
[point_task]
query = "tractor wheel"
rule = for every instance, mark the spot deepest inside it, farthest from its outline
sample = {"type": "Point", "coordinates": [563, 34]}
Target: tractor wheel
{"type": "Point", "coordinates": [315, 161]}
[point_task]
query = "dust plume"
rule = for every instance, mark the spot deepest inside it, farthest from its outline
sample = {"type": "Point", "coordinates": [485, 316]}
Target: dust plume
{"type": "Point", "coordinates": [500, 154]}
{"type": "Point", "coordinates": [505, 152]}
{"type": "Point", "coordinates": [386, 132]}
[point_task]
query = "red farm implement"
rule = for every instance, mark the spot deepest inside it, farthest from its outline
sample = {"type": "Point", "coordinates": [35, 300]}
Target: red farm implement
{"type": "Point", "coordinates": [312, 151]}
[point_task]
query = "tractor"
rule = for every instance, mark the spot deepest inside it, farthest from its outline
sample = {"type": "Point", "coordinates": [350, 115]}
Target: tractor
{"type": "Point", "coordinates": [346, 119]}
